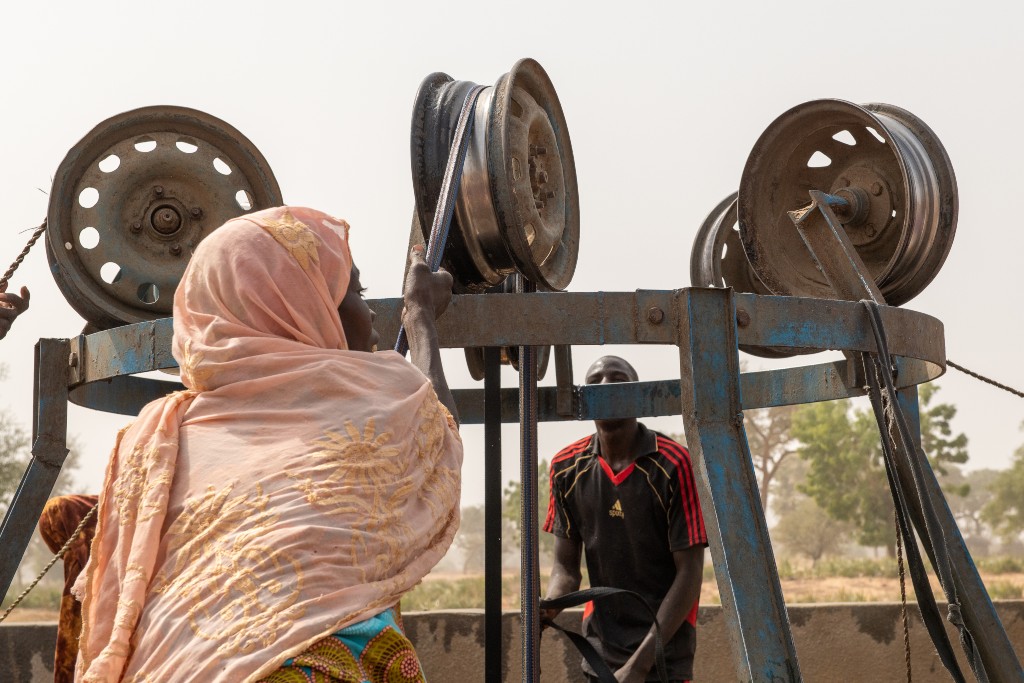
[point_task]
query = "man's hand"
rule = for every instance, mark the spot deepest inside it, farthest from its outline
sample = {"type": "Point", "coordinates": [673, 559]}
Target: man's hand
{"type": "Point", "coordinates": [630, 674]}
{"type": "Point", "coordinates": [426, 291]}
{"type": "Point", "coordinates": [11, 306]}
{"type": "Point", "coordinates": [548, 614]}
{"type": "Point", "coordinates": [426, 297]}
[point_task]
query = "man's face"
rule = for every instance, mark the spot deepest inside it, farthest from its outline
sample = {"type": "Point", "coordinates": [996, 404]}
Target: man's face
{"type": "Point", "coordinates": [610, 369]}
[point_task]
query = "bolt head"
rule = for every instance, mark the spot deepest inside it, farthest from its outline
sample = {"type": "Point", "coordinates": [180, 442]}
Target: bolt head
{"type": "Point", "coordinates": [158, 190]}
{"type": "Point", "coordinates": [176, 249]}
{"type": "Point", "coordinates": [655, 315]}
{"type": "Point", "coordinates": [196, 212]}
{"type": "Point", "coordinates": [137, 226]}
{"type": "Point", "coordinates": [742, 317]}
{"type": "Point", "coordinates": [876, 189]}
{"type": "Point", "coordinates": [871, 230]}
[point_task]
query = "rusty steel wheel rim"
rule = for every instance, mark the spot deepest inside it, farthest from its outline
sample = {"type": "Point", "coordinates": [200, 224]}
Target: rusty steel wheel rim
{"type": "Point", "coordinates": [517, 209]}
{"type": "Point", "coordinates": [134, 197]}
{"type": "Point", "coordinates": [718, 260]}
{"type": "Point", "coordinates": [884, 155]}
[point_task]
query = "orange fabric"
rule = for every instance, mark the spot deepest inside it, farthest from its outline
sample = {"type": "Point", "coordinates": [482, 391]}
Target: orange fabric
{"type": "Point", "coordinates": [295, 488]}
{"type": "Point", "coordinates": [59, 520]}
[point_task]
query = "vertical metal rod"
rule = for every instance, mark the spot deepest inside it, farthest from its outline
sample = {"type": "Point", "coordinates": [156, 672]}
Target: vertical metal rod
{"type": "Point", "coordinates": [49, 449]}
{"type": "Point", "coordinates": [493, 655]}
{"type": "Point", "coordinates": [979, 614]}
{"type": "Point", "coordinates": [755, 612]}
{"type": "Point", "coordinates": [530, 569]}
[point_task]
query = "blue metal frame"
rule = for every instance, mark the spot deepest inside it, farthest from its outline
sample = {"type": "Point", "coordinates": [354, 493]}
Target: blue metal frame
{"type": "Point", "coordinates": [748, 581]}
{"type": "Point", "coordinates": [97, 371]}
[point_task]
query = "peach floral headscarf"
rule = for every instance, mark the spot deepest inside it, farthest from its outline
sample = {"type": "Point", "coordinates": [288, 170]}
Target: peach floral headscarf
{"type": "Point", "coordinates": [295, 488]}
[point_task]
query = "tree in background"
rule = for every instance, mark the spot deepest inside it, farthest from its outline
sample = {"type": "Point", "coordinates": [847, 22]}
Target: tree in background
{"type": "Point", "coordinates": [1005, 510]}
{"type": "Point", "coordinates": [945, 449]}
{"type": "Point", "coordinates": [513, 496]}
{"type": "Point", "coordinates": [15, 452]}
{"type": "Point", "coordinates": [846, 477]}
{"type": "Point", "coordinates": [968, 508]}
{"type": "Point", "coordinates": [808, 531]}
{"type": "Point", "coordinates": [471, 539]}
{"type": "Point", "coordinates": [771, 444]}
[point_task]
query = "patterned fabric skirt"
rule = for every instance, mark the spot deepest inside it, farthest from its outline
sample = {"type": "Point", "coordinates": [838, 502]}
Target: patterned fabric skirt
{"type": "Point", "coordinates": [372, 651]}
{"type": "Point", "coordinates": [59, 519]}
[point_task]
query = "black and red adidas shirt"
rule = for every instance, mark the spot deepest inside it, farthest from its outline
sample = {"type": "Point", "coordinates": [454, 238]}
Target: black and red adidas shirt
{"type": "Point", "coordinates": [630, 523]}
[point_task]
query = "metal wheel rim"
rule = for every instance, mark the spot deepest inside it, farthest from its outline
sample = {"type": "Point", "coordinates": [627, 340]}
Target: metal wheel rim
{"type": "Point", "coordinates": [539, 216]}
{"type": "Point", "coordinates": [504, 220]}
{"type": "Point", "coordinates": [435, 114]}
{"type": "Point", "coordinates": [902, 168]}
{"type": "Point", "coordinates": [718, 260]}
{"type": "Point", "coordinates": [166, 182]}
{"type": "Point", "coordinates": [932, 194]}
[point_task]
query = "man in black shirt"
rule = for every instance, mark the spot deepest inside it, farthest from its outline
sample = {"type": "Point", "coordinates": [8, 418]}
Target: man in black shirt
{"type": "Point", "coordinates": [626, 497]}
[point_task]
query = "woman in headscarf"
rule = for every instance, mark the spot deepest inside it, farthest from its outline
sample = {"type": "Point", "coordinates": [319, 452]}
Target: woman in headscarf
{"type": "Point", "coordinates": [263, 523]}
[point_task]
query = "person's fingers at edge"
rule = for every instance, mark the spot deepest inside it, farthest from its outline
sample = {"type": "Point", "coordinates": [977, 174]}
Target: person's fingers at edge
{"type": "Point", "coordinates": [16, 302]}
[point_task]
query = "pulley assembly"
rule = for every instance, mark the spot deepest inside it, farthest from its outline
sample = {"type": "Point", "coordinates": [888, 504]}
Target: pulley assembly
{"type": "Point", "coordinates": [134, 197]}
{"type": "Point", "coordinates": [887, 169]}
{"type": "Point", "coordinates": [509, 354]}
{"type": "Point", "coordinates": [518, 205]}
{"type": "Point", "coordinates": [717, 258]}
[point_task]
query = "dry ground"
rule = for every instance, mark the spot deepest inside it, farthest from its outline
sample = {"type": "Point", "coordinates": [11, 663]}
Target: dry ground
{"type": "Point", "coordinates": [832, 589]}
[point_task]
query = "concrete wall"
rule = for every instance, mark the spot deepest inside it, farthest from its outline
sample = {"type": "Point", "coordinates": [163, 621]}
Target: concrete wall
{"type": "Point", "coordinates": [855, 641]}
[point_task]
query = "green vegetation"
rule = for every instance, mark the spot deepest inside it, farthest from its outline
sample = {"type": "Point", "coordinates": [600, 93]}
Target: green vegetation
{"type": "Point", "coordinates": [1005, 590]}
{"type": "Point", "coordinates": [1001, 565]}
{"type": "Point", "coordinates": [1005, 512]}
{"type": "Point", "coordinates": [846, 475]}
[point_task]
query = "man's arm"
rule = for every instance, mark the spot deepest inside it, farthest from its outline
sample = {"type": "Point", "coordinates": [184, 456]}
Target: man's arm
{"type": "Point", "coordinates": [672, 612]}
{"type": "Point", "coordinates": [565, 574]}
{"type": "Point", "coordinates": [426, 297]}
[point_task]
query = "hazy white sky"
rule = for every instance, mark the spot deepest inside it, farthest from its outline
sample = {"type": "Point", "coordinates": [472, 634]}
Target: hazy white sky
{"type": "Point", "coordinates": [663, 101]}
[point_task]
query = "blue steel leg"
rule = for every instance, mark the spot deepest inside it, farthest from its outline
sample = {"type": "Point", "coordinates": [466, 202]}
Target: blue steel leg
{"type": "Point", "coordinates": [755, 612]}
{"type": "Point", "coordinates": [997, 655]}
{"type": "Point", "coordinates": [49, 449]}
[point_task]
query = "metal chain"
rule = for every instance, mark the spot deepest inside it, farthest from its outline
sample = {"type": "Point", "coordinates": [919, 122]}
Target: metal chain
{"type": "Point", "coordinates": [984, 379]}
{"type": "Point", "coordinates": [903, 593]}
{"type": "Point", "coordinates": [21, 257]}
{"type": "Point", "coordinates": [60, 553]}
